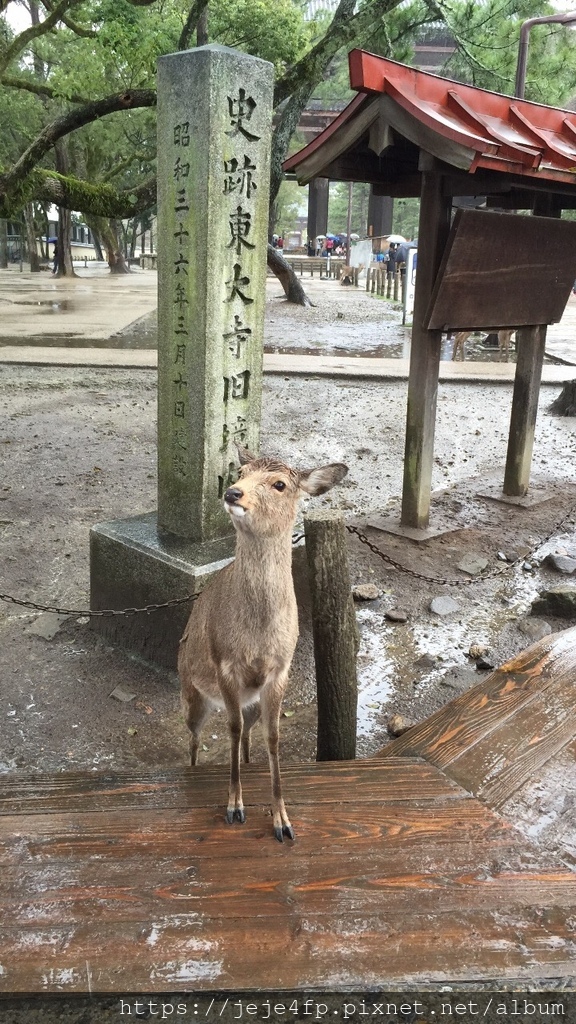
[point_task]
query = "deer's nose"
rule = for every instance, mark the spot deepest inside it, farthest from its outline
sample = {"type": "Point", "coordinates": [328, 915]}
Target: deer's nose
{"type": "Point", "coordinates": [232, 495]}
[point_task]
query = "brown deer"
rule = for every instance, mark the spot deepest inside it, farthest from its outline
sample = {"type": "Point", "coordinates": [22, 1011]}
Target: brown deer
{"type": "Point", "coordinates": [238, 644]}
{"type": "Point", "coordinates": [504, 339]}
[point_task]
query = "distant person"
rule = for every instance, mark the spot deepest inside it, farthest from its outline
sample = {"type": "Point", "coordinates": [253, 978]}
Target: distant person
{"type": "Point", "coordinates": [280, 243]}
{"type": "Point", "coordinates": [56, 258]}
{"type": "Point", "coordinates": [390, 258]}
{"type": "Point", "coordinates": [329, 246]}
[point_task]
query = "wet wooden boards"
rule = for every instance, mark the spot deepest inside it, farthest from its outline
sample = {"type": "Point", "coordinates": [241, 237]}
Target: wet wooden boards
{"type": "Point", "coordinates": [134, 882]}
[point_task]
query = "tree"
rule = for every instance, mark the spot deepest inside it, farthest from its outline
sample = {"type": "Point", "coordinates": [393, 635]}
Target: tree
{"type": "Point", "coordinates": [97, 60]}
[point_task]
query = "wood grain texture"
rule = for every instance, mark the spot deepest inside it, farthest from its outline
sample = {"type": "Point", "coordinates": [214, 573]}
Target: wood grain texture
{"type": "Point", "coordinates": [490, 706]}
{"type": "Point", "coordinates": [524, 283]}
{"type": "Point", "coordinates": [397, 876]}
{"type": "Point", "coordinates": [22, 793]}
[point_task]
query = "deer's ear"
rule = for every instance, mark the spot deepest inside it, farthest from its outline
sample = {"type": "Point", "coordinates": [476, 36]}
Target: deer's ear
{"type": "Point", "coordinates": [318, 481]}
{"type": "Point", "coordinates": [244, 455]}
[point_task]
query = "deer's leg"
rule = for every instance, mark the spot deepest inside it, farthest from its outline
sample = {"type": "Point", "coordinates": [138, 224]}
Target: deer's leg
{"type": "Point", "coordinates": [250, 715]}
{"type": "Point", "coordinates": [196, 709]}
{"type": "Point", "coordinates": [271, 700]}
{"type": "Point", "coordinates": [235, 809]}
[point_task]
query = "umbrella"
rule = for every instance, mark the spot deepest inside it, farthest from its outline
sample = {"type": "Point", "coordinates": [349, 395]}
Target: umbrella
{"type": "Point", "coordinates": [354, 238]}
{"type": "Point", "coordinates": [51, 239]}
{"type": "Point", "coordinates": [395, 239]}
{"type": "Point", "coordinates": [333, 237]}
{"type": "Point", "coordinates": [320, 236]}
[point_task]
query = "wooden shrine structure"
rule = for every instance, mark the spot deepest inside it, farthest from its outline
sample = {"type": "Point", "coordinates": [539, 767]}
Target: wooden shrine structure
{"type": "Point", "coordinates": [410, 133]}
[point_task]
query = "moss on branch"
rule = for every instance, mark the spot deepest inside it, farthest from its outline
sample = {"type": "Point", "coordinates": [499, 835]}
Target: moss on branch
{"type": "Point", "coordinates": [100, 200]}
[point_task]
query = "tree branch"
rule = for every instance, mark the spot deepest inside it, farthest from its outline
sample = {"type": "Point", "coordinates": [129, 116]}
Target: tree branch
{"type": "Point", "coordinates": [79, 30]}
{"type": "Point", "coordinates": [39, 88]}
{"type": "Point", "coordinates": [299, 81]}
{"type": "Point", "coordinates": [69, 122]}
{"type": "Point", "coordinates": [124, 164]}
{"type": "Point", "coordinates": [319, 56]}
{"type": "Point", "coordinates": [74, 194]}
{"type": "Point", "coordinates": [24, 38]}
{"type": "Point", "coordinates": [198, 7]}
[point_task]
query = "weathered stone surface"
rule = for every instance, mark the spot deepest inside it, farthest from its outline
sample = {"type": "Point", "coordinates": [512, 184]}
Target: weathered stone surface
{"type": "Point", "coordinates": [444, 606]}
{"type": "Point", "coordinates": [560, 602]}
{"type": "Point", "coordinates": [132, 566]}
{"type": "Point", "coordinates": [397, 725]}
{"type": "Point", "coordinates": [459, 678]}
{"type": "Point", "coordinates": [473, 564]}
{"type": "Point", "coordinates": [486, 662]}
{"type": "Point", "coordinates": [365, 592]}
{"type": "Point", "coordinates": [561, 563]}
{"type": "Point", "coordinates": [534, 628]}
{"type": "Point", "coordinates": [395, 615]}
{"type": "Point", "coordinates": [47, 625]}
{"type": "Point", "coordinates": [214, 124]}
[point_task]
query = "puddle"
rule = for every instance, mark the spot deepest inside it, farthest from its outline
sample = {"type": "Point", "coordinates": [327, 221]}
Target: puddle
{"type": "Point", "coordinates": [388, 654]}
{"type": "Point", "coordinates": [52, 305]}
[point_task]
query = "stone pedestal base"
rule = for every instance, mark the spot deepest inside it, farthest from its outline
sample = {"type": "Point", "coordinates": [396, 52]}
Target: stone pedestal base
{"type": "Point", "coordinates": [131, 566]}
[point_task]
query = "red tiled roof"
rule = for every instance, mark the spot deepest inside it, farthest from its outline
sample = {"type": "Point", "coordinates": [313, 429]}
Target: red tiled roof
{"type": "Point", "coordinates": [468, 127]}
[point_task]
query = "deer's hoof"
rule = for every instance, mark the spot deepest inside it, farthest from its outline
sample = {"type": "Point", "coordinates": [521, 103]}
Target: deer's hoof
{"type": "Point", "coordinates": [284, 830]}
{"type": "Point", "coordinates": [236, 815]}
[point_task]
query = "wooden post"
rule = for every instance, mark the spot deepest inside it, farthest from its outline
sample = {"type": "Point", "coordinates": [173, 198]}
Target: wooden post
{"type": "Point", "coordinates": [530, 342]}
{"type": "Point", "coordinates": [368, 273]}
{"type": "Point", "coordinates": [335, 635]}
{"type": "Point", "coordinates": [434, 228]}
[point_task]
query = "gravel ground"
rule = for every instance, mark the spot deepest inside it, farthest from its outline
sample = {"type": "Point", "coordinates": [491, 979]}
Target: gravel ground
{"type": "Point", "coordinates": [79, 448]}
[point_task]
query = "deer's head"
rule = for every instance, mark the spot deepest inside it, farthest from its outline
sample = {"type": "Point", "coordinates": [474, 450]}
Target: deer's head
{"type": "Point", "coordinates": [265, 497]}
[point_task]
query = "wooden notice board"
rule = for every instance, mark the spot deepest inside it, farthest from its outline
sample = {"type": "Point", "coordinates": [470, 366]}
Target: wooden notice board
{"type": "Point", "coordinates": [503, 270]}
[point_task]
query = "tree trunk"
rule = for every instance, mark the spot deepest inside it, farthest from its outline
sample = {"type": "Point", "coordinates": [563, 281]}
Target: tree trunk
{"type": "Point", "coordinates": [91, 222]}
{"type": "Point", "coordinates": [293, 289]}
{"type": "Point", "coordinates": [202, 29]}
{"type": "Point", "coordinates": [3, 244]}
{"type": "Point", "coordinates": [565, 404]}
{"type": "Point", "coordinates": [65, 264]}
{"type": "Point", "coordinates": [134, 237]}
{"type": "Point", "coordinates": [31, 238]}
{"type": "Point", "coordinates": [107, 232]}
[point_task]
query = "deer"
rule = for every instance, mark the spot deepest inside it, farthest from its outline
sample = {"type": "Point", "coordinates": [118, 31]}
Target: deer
{"type": "Point", "coordinates": [504, 339]}
{"type": "Point", "coordinates": [239, 641]}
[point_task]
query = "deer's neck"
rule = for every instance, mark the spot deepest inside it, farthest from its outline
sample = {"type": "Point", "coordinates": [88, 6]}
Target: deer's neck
{"type": "Point", "coordinates": [264, 564]}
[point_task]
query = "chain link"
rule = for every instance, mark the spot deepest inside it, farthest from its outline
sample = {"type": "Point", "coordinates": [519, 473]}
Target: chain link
{"type": "Point", "coordinates": [174, 602]}
{"type": "Point", "coordinates": [98, 613]}
{"type": "Point", "coordinates": [461, 582]}
{"type": "Point", "coordinates": [95, 613]}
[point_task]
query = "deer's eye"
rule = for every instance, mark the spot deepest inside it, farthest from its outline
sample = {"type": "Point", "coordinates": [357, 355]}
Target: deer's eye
{"type": "Point", "coordinates": [279, 485]}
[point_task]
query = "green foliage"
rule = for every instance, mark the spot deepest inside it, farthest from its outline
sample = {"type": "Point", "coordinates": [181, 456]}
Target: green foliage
{"type": "Point", "coordinates": [338, 208]}
{"type": "Point", "coordinates": [487, 36]}
{"type": "Point", "coordinates": [290, 199]}
{"type": "Point", "coordinates": [271, 29]}
{"type": "Point", "coordinates": [405, 217]}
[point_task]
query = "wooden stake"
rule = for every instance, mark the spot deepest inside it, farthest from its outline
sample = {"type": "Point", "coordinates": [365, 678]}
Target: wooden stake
{"type": "Point", "coordinates": [530, 342]}
{"type": "Point", "coordinates": [335, 635]}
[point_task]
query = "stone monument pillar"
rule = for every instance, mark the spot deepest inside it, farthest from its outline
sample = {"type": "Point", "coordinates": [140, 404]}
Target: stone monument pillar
{"type": "Point", "coordinates": [214, 127]}
{"type": "Point", "coordinates": [214, 122]}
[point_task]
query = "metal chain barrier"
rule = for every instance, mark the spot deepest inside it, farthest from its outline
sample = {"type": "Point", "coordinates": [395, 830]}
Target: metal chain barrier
{"type": "Point", "coordinates": [91, 613]}
{"type": "Point", "coordinates": [147, 609]}
{"type": "Point", "coordinates": [461, 582]}
{"type": "Point", "coordinates": [95, 613]}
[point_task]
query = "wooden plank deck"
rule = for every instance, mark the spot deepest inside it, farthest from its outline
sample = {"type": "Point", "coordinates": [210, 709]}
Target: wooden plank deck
{"type": "Point", "coordinates": [398, 876]}
{"type": "Point", "coordinates": [511, 741]}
